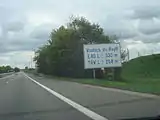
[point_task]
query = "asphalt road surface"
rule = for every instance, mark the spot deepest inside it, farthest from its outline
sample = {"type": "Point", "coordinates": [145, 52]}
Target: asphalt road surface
{"type": "Point", "coordinates": [28, 97]}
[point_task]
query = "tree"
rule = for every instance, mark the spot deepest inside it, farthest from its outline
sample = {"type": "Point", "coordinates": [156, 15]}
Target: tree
{"type": "Point", "coordinates": [63, 54]}
{"type": "Point", "coordinates": [26, 68]}
{"type": "Point", "coordinates": [5, 69]}
{"type": "Point", "coordinates": [16, 69]}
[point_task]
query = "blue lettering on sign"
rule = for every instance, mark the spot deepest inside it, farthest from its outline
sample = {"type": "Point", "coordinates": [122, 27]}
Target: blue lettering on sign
{"type": "Point", "coordinates": [116, 48]}
{"type": "Point", "coordinates": [102, 61]}
{"type": "Point", "coordinates": [109, 61]}
{"type": "Point", "coordinates": [115, 55]}
{"type": "Point", "coordinates": [116, 61]}
{"type": "Point", "coordinates": [93, 50]}
{"type": "Point", "coordinates": [106, 61]}
{"type": "Point", "coordinates": [98, 62]}
{"type": "Point", "coordinates": [93, 55]}
{"type": "Point", "coordinates": [93, 62]}
{"type": "Point", "coordinates": [112, 49]}
{"type": "Point", "coordinates": [88, 56]}
{"type": "Point", "coordinates": [101, 55]}
{"type": "Point", "coordinates": [104, 49]}
{"type": "Point", "coordinates": [109, 55]}
{"type": "Point", "coordinates": [98, 56]}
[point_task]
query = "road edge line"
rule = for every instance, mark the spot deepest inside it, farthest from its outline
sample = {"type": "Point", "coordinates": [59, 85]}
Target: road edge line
{"type": "Point", "coordinates": [124, 91]}
{"type": "Point", "coordinates": [75, 105]}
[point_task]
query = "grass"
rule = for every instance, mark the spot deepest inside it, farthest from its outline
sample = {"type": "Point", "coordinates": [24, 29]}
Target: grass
{"type": "Point", "coordinates": [142, 67]}
{"type": "Point", "coordinates": [138, 85]}
{"type": "Point", "coordinates": [145, 87]}
{"type": "Point", "coordinates": [141, 75]}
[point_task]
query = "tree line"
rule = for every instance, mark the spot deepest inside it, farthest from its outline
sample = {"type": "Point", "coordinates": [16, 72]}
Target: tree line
{"type": "Point", "coordinates": [62, 55]}
{"type": "Point", "coordinates": [5, 69]}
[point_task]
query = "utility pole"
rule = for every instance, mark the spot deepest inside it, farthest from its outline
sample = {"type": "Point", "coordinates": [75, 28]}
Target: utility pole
{"type": "Point", "coordinates": [128, 54]}
{"type": "Point", "coordinates": [31, 61]}
{"type": "Point", "coordinates": [138, 54]}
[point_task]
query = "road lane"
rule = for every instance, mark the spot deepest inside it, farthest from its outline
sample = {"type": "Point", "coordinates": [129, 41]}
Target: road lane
{"type": "Point", "coordinates": [75, 105]}
{"type": "Point", "coordinates": [108, 103]}
{"type": "Point", "coordinates": [21, 99]}
{"type": "Point", "coordinates": [4, 80]}
{"type": "Point", "coordinates": [2, 75]}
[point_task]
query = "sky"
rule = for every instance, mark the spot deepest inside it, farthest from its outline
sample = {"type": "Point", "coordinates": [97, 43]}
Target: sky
{"type": "Point", "coordinates": [25, 25]}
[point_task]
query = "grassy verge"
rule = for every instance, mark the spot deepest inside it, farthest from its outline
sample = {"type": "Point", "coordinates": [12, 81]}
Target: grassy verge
{"type": "Point", "coordinates": [141, 75]}
{"type": "Point", "coordinates": [145, 85]}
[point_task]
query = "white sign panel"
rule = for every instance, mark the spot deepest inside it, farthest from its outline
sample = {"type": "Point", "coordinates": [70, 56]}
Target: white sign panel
{"type": "Point", "coordinates": [102, 56]}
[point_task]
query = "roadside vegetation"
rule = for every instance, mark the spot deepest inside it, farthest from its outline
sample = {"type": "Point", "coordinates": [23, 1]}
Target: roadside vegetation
{"type": "Point", "coordinates": [5, 69]}
{"type": "Point", "coordinates": [140, 74]}
{"type": "Point", "coordinates": [62, 56]}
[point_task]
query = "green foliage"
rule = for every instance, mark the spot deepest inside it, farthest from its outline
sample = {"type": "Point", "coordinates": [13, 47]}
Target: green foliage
{"type": "Point", "coordinates": [26, 68]}
{"type": "Point", "coordinates": [63, 54]}
{"type": "Point", "coordinates": [5, 69]}
{"type": "Point", "coordinates": [142, 67]}
{"type": "Point", "coordinates": [16, 69]}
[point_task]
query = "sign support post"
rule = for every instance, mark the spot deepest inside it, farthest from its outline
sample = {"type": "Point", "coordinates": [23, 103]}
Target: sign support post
{"type": "Point", "coordinates": [94, 74]}
{"type": "Point", "coordinates": [113, 74]}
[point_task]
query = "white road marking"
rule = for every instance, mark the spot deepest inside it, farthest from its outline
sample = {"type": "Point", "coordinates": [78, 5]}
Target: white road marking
{"type": "Point", "coordinates": [75, 105]}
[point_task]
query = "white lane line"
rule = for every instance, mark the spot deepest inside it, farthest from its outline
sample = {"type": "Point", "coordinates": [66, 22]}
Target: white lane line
{"type": "Point", "coordinates": [77, 106]}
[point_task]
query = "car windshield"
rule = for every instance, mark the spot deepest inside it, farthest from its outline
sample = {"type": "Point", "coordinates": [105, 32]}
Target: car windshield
{"type": "Point", "coordinates": [79, 59]}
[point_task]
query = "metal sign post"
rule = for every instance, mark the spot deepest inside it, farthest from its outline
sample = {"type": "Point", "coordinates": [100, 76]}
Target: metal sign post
{"type": "Point", "coordinates": [94, 74]}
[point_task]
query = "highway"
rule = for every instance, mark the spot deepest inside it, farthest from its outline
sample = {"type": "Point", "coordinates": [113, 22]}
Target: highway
{"type": "Point", "coordinates": [29, 97]}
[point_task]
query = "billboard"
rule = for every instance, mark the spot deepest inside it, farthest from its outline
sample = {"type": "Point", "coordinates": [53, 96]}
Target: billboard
{"type": "Point", "coordinates": [101, 56]}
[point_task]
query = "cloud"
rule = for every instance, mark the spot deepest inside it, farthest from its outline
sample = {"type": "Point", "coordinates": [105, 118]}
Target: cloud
{"type": "Point", "coordinates": [21, 45]}
{"type": "Point", "coordinates": [0, 32]}
{"type": "Point", "coordinates": [42, 31]}
{"type": "Point", "coordinates": [154, 38]}
{"type": "Point", "coordinates": [125, 43]}
{"type": "Point", "coordinates": [24, 40]}
{"type": "Point", "coordinates": [14, 26]}
{"type": "Point", "coordinates": [143, 49]}
{"type": "Point", "coordinates": [17, 59]}
{"type": "Point", "coordinates": [25, 25]}
{"type": "Point", "coordinates": [146, 12]}
{"type": "Point", "coordinates": [116, 25]}
{"type": "Point", "coordinates": [149, 26]}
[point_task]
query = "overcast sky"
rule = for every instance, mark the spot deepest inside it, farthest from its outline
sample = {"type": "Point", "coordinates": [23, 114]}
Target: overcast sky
{"type": "Point", "coordinates": [25, 24]}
